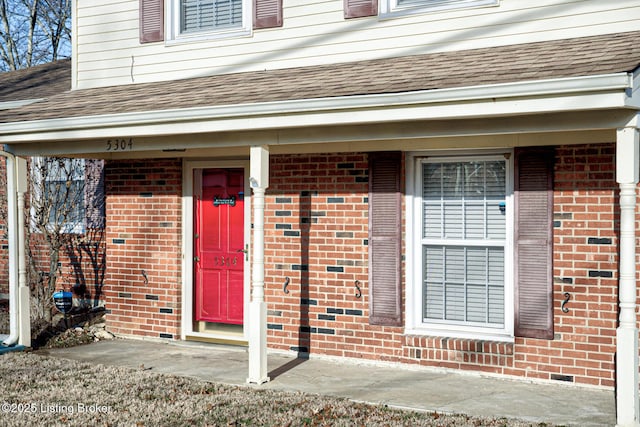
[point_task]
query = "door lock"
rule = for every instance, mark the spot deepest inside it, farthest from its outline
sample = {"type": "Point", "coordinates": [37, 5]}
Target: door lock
{"type": "Point", "coordinates": [246, 252]}
{"type": "Point", "coordinates": [196, 258]}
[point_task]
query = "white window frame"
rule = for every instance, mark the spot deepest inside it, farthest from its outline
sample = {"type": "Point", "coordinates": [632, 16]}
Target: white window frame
{"type": "Point", "coordinates": [414, 322]}
{"type": "Point", "coordinates": [172, 23]}
{"type": "Point", "coordinates": [391, 8]}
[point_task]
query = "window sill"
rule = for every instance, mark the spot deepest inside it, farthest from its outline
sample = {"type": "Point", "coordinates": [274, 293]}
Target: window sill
{"type": "Point", "coordinates": [502, 348]}
{"type": "Point", "coordinates": [208, 36]}
{"type": "Point", "coordinates": [463, 335]}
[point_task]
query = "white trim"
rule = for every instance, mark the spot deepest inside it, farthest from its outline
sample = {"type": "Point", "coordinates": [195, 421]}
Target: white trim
{"type": "Point", "coordinates": [74, 44]}
{"type": "Point", "coordinates": [391, 9]}
{"type": "Point", "coordinates": [186, 321]}
{"type": "Point", "coordinates": [507, 99]}
{"type": "Point", "coordinates": [413, 321]}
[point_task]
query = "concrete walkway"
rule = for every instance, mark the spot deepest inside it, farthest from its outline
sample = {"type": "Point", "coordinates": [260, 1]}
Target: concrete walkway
{"type": "Point", "coordinates": [420, 389]}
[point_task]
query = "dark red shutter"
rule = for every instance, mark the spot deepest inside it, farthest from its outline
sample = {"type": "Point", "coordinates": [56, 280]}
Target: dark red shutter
{"type": "Point", "coordinates": [385, 239]}
{"type": "Point", "coordinates": [267, 13]}
{"type": "Point", "coordinates": [151, 21]}
{"type": "Point", "coordinates": [360, 8]}
{"type": "Point", "coordinates": [534, 242]}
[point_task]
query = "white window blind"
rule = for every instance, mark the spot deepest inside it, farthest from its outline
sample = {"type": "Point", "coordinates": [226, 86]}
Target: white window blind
{"type": "Point", "coordinates": [205, 15]}
{"type": "Point", "coordinates": [463, 241]}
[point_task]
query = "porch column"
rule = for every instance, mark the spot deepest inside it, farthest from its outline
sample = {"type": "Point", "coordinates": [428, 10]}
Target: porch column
{"type": "Point", "coordinates": [627, 165]}
{"type": "Point", "coordinates": [259, 180]}
{"type": "Point", "coordinates": [24, 294]}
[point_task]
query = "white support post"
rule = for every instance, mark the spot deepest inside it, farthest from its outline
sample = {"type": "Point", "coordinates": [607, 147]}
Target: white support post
{"type": "Point", "coordinates": [23, 289]}
{"type": "Point", "coordinates": [259, 180]}
{"type": "Point", "coordinates": [627, 170]}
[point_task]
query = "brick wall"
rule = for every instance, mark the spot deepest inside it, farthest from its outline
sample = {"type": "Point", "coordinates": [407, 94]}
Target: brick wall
{"type": "Point", "coordinates": [316, 231]}
{"type": "Point", "coordinates": [81, 267]}
{"type": "Point", "coordinates": [143, 236]}
{"type": "Point", "coordinates": [316, 235]}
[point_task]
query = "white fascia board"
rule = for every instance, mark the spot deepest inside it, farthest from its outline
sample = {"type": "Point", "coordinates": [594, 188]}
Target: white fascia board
{"type": "Point", "coordinates": [508, 99]}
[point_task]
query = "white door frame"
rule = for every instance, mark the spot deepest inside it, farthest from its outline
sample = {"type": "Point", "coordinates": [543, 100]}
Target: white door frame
{"type": "Point", "coordinates": [186, 318]}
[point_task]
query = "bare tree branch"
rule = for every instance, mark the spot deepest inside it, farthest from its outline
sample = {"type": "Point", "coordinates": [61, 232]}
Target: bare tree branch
{"type": "Point", "coordinates": [33, 32]}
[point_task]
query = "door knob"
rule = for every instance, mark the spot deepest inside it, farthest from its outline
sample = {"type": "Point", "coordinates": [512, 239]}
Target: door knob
{"type": "Point", "coordinates": [196, 258]}
{"type": "Point", "coordinates": [246, 252]}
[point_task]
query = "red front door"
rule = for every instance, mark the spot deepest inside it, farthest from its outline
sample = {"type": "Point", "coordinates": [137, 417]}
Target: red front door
{"type": "Point", "coordinates": [219, 244]}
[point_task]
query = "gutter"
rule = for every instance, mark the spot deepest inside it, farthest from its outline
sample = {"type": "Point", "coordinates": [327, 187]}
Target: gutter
{"type": "Point", "coordinates": [489, 94]}
{"type": "Point", "coordinates": [12, 227]}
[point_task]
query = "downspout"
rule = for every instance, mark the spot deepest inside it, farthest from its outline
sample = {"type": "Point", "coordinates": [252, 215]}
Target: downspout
{"type": "Point", "coordinates": [12, 228]}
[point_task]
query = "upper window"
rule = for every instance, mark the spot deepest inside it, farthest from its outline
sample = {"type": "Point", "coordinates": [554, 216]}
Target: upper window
{"type": "Point", "coordinates": [201, 19]}
{"type": "Point", "coordinates": [422, 6]}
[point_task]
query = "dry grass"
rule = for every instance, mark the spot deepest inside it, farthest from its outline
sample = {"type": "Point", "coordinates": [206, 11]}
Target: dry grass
{"type": "Point", "coordinates": [41, 390]}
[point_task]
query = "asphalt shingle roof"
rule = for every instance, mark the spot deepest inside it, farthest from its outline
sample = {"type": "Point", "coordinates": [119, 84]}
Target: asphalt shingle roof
{"type": "Point", "coordinates": [587, 56]}
{"type": "Point", "coordinates": [36, 82]}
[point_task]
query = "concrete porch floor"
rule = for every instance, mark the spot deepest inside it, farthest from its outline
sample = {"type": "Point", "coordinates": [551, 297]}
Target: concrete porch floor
{"type": "Point", "coordinates": [412, 388]}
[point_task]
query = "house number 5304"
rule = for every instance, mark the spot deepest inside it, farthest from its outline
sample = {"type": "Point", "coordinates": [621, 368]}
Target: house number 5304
{"type": "Point", "coordinates": [119, 144]}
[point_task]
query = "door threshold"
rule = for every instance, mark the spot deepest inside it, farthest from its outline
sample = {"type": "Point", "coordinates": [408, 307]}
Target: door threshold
{"type": "Point", "coordinates": [213, 340]}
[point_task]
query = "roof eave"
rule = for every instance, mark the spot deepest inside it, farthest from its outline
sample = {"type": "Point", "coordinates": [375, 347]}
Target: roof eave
{"type": "Point", "coordinates": [609, 91]}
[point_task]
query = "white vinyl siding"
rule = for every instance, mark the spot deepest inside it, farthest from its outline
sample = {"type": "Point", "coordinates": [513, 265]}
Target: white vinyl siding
{"type": "Point", "coordinates": [316, 33]}
{"type": "Point", "coordinates": [463, 228]}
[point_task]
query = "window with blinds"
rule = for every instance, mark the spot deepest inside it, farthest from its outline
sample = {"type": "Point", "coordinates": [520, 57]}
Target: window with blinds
{"type": "Point", "coordinates": [201, 20]}
{"type": "Point", "coordinates": [463, 241]}
{"type": "Point", "coordinates": [207, 15]}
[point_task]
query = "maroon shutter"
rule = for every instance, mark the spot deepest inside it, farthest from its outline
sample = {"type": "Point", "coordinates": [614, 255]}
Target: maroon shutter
{"type": "Point", "coordinates": [534, 242]}
{"type": "Point", "coordinates": [385, 239]}
{"type": "Point", "coordinates": [151, 21]}
{"type": "Point", "coordinates": [360, 8]}
{"type": "Point", "coordinates": [267, 13]}
{"type": "Point", "coordinates": [94, 197]}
